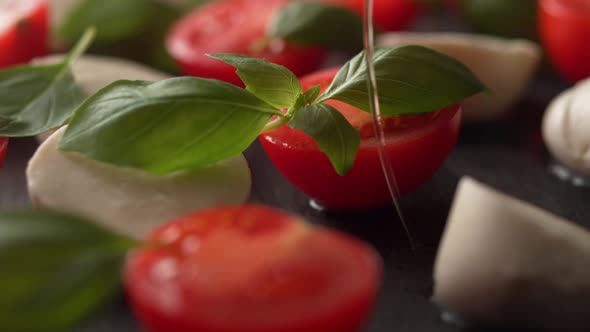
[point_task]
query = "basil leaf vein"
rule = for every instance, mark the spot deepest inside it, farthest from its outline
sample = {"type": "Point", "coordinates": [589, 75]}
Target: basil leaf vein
{"type": "Point", "coordinates": [332, 132]}
{"type": "Point", "coordinates": [38, 98]}
{"type": "Point", "coordinates": [312, 23]}
{"type": "Point", "coordinates": [173, 125]}
{"type": "Point", "coordinates": [270, 82]}
{"type": "Point", "coordinates": [411, 80]}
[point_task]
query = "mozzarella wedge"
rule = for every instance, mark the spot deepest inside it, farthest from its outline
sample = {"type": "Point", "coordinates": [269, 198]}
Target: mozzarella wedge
{"type": "Point", "coordinates": [504, 66]}
{"type": "Point", "coordinates": [503, 261]}
{"type": "Point", "coordinates": [94, 72]}
{"type": "Point", "coordinates": [125, 200]}
{"type": "Point", "coordinates": [566, 128]}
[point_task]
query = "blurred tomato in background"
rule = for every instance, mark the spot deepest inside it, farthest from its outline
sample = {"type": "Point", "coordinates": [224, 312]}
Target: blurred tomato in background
{"type": "Point", "coordinates": [564, 26]}
{"type": "Point", "coordinates": [23, 31]}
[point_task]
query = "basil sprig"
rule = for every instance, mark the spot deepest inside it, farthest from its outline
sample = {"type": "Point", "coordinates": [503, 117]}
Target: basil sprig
{"type": "Point", "coordinates": [318, 24]}
{"type": "Point", "coordinates": [38, 98]}
{"type": "Point", "coordinates": [184, 123]}
{"type": "Point", "coordinates": [56, 269]}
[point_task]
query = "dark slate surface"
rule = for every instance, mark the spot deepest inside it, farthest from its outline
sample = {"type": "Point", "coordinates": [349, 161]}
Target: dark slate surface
{"type": "Point", "coordinates": [507, 154]}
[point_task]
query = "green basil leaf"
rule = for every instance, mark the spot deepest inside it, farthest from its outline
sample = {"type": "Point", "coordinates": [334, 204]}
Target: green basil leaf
{"type": "Point", "coordinates": [172, 125]}
{"type": "Point", "coordinates": [333, 133]}
{"type": "Point", "coordinates": [38, 98]}
{"type": "Point", "coordinates": [312, 94]}
{"type": "Point", "coordinates": [114, 19]}
{"type": "Point", "coordinates": [56, 269]}
{"type": "Point", "coordinates": [312, 23]}
{"type": "Point", "coordinates": [410, 79]}
{"type": "Point", "coordinates": [270, 82]}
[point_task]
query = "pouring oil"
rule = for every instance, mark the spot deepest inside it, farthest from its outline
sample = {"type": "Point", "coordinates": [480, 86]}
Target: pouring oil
{"type": "Point", "coordinates": [369, 44]}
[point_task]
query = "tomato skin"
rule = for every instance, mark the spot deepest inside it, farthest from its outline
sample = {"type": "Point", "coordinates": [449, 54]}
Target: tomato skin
{"type": "Point", "coordinates": [416, 153]}
{"type": "Point", "coordinates": [388, 15]}
{"type": "Point", "coordinates": [251, 269]}
{"type": "Point", "coordinates": [3, 148]}
{"type": "Point", "coordinates": [234, 26]}
{"type": "Point", "coordinates": [564, 27]}
{"type": "Point", "coordinates": [23, 31]}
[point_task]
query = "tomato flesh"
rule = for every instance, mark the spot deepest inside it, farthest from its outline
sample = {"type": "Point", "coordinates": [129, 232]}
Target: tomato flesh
{"type": "Point", "coordinates": [235, 26]}
{"type": "Point", "coordinates": [23, 31]}
{"type": "Point", "coordinates": [417, 146]}
{"type": "Point", "coordinates": [564, 26]}
{"type": "Point", "coordinates": [3, 148]}
{"type": "Point", "coordinates": [251, 269]}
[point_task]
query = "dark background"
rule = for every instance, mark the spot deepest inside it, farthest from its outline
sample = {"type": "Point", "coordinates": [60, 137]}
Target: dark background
{"type": "Point", "coordinates": [507, 154]}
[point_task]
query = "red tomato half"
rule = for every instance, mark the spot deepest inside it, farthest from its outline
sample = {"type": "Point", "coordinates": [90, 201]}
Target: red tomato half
{"type": "Point", "coordinates": [416, 145]}
{"type": "Point", "coordinates": [23, 31]}
{"type": "Point", "coordinates": [251, 269]}
{"type": "Point", "coordinates": [565, 28]}
{"type": "Point", "coordinates": [234, 26]}
{"type": "Point", "coordinates": [3, 148]}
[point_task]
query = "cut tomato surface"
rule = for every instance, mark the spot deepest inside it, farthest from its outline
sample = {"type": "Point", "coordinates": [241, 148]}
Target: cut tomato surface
{"type": "Point", "coordinates": [564, 28]}
{"type": "Point", "coordinates": [251, 269]}
{"type": "Point", "coordinates": [235, 26]}
{"type": "Point", "coordinates": [417, 146]}
{"type": "Point", "coordinates": [23, 31]}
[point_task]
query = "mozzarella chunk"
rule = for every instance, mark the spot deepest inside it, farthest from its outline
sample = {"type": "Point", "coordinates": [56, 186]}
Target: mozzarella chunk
{"type": "Point", "coordinates": [503, 261]}
{"type": "Point", "coordinates": [504, 66]}
{"type": "Point", "coordinates": [566, 128]}
{"type": "Point", "coordinates": [129, 201]}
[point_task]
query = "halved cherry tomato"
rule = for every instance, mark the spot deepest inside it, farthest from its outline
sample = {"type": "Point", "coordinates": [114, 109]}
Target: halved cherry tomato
{"type": "Point", "coordinates": [23, 31]}
{"type": "Point", "coordinates": [564, 27]}
{"type": "Point", "coordinates": [3, 148]}
{"type": "Point", "coordinates": [416, 146]}
{"type": "Point", "coordinates": [251, 269]}
{"type": "Point", "coordinates": [235, 26]}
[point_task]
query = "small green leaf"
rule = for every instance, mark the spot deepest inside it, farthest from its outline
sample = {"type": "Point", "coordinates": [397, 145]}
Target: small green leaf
{"type": "Point", "coordinates": [410, 79]}
{"type": "Point", "coordinates": [56, 269]}
{"type": "Point", "coordinates": [270, 82]}
{"type": "Point", "coordinates": [114, 19]}
{"type": "Point", "coordinates": [334, 135]}
{"type": "Point", "coordinates": [172, 125]}
{"type": "Point", "coordinates": [312, 94]}
{"type": "Point", "coordinates": [38, 98]}
{"type": "Point", "coordinates": [313, 23]}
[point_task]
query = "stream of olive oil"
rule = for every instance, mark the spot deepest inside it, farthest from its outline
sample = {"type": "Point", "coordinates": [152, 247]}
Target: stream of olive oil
{"type": "Point", "coordinates": [369, 44]}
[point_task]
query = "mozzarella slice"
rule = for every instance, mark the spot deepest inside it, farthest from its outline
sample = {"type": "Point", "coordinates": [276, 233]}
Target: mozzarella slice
{"type": "Point", "coordinates": [95, 72]}
{"type": "Point", "coordinates": [566, 128]}
{"type": "Point", "coordinates": [129, 201]}
{"type": "Point", "coordinates": [504, 66]}
{"type": "Point", "coordinates": [503, 261]}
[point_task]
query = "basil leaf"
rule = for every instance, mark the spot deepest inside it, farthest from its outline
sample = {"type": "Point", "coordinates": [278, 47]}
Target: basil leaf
{"type": "Point", "coordinates": [270, 82]}
{"type": "Point", "coordinates": [411, 80]}
{"type": "Point", "coordinates": [56, 269]}
{"type": "Point", "coordinates": [312, 23]}
{"type": "Point", "coordinates": [38, 98]}
{"type": "Point", "coordinates": [114, 19]}
{"type": "Point", "coordinates": [312, 94]}
{"type": "Point", "coordinates": [168, 126]}
{"type": "Point", "coordinates": [334, 135]}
